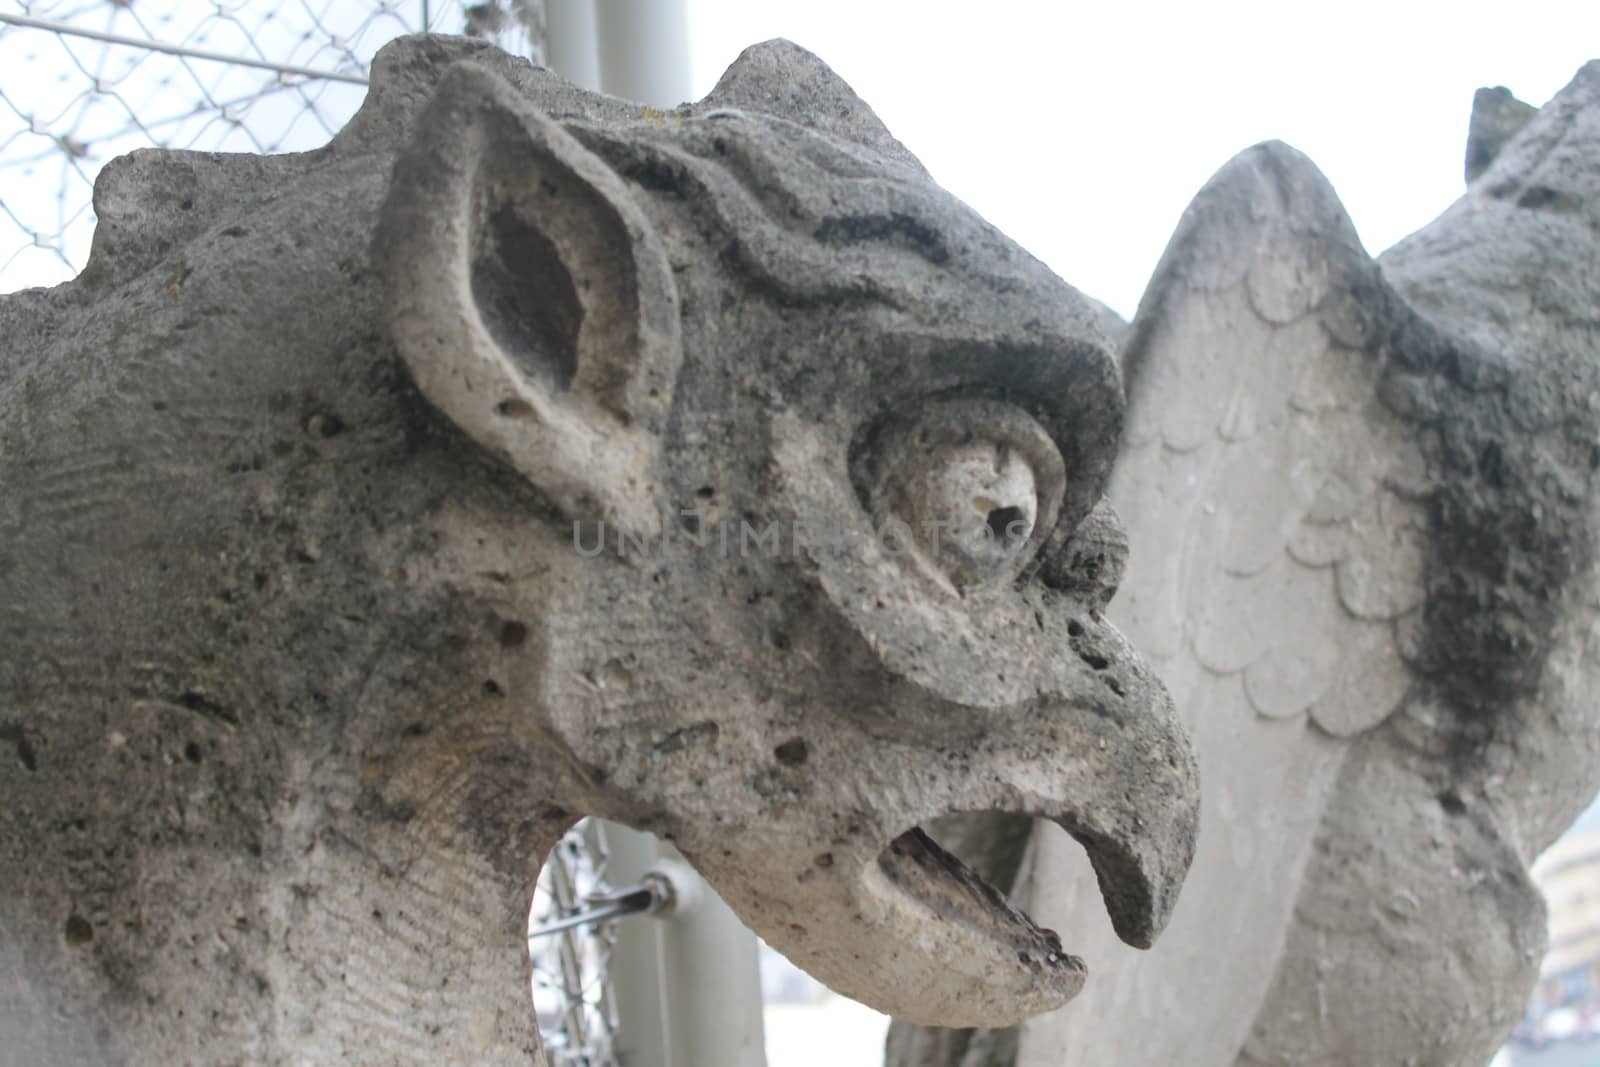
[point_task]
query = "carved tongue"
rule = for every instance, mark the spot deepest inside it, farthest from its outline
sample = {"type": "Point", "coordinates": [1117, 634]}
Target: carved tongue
{"type": "Point", "coordinates": [948, 888]}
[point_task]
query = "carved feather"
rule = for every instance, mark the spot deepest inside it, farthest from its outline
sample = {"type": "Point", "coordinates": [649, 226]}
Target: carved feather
{"type": "Point", "coordinates": [1360, 503]}
{"type": "Point", "coordinates": [1263, 461]}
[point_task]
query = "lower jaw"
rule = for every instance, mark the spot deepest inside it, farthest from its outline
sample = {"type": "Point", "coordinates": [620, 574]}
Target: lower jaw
{"type": "Point", "coordinates": [951, 892]}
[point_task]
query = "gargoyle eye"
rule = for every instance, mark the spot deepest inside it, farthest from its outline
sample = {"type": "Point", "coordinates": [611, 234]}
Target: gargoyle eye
{"type": "Point", "coordinates": [967, 488]}
{"type": "Point", "coordinates": [969, 509]}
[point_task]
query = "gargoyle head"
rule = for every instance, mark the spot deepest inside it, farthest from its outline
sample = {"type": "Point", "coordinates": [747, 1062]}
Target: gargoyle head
{"type": "Point", "coordinates": [816, 450]}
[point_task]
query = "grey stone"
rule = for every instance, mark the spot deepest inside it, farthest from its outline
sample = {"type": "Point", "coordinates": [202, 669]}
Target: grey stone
{"type": "Point", "coordinates": [368, 515]}
{"type": "Point", "coordinates": [996, 846]}
{"type": "Point", "coordinates": [1497, 116]}
{"type": "Point", "coordinates": [1362, 503]}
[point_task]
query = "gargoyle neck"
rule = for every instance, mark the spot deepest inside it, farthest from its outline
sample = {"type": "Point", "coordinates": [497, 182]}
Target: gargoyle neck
{"type": "Point", "coordinates": [366, 923]}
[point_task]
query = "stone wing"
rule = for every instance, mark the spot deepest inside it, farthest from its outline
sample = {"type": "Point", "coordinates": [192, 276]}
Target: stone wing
{"type": "Point", "coordinates": [1361, 505]}
{"type": "Point", "coordinates": [1273, 503]}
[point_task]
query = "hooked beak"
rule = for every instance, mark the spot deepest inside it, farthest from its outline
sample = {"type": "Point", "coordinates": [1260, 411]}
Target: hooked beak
{"type": "Point", "coordinates": [895, 921]}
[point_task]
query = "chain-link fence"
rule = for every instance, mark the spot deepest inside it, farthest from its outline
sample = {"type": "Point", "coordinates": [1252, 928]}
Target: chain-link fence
{"type": "Point", "coordinates": [572, 969]}
{"type": "Point", "coordinates": [83, 81]}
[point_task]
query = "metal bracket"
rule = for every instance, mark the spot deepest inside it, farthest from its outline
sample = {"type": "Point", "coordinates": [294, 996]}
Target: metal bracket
{"type": "Point", "coordinates": [654, 895]}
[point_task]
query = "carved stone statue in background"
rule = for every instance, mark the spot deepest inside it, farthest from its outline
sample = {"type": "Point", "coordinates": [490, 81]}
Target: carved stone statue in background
{"type": "Point", "coordinates": [711, 471]}
{"type": "Point", "coordinates": [1362, 497]}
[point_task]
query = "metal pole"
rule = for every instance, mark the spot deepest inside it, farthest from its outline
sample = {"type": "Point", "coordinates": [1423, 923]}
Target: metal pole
{"type": "Point", "coordinates": [688, 986]}
{"type": "Point", "coordinates": [574, 51]}
{"type": "Point", "coordinates": [643, 1038]}
{"type": "Point", "coordinates": [712, 973]}
{"type": "Point", "coordinates": [69, 30]}
{"type": "Point", "coordinates": [644, 50]}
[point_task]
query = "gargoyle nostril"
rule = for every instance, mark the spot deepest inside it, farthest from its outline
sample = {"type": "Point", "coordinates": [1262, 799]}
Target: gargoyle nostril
{"type": "Point", "coordinates": [1088, 563]}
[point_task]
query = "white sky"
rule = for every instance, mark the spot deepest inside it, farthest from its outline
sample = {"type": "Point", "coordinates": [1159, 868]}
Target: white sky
{"type": "Point", "coordinates": [1083, 130]}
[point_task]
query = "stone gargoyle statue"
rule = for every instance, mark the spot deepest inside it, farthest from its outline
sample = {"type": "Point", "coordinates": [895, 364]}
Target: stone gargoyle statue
{"type": "Point", "coordinates": [369, 515]}
{"type": "Point", "coordinates": [1363, 497]}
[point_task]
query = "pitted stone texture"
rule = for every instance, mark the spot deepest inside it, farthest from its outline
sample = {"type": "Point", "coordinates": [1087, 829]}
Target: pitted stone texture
{"type": "Point", "coordinates": [369, 515]}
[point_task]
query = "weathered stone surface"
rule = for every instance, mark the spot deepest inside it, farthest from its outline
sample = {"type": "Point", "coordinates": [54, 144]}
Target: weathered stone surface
{"type": "Point", "coordinates": [1362, 500]}
{"type": "Point", "coordinates": [368, 515]}
{"type": "Point", "coordinates": [996, 846]}
{"type": "Point", "coordinates": [1497, 116]}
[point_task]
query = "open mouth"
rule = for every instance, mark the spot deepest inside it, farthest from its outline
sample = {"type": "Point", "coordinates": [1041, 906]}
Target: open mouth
{"type": "Point", "coordinates": [905, 909]}
{"type": "Point", "coordinates": [990, 957]}
{"type": "Point", "coordinates": [954, 893]}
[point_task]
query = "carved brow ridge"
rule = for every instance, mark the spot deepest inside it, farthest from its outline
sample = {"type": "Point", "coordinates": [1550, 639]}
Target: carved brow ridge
{"type": "Point", "coordinates": [783, 217]}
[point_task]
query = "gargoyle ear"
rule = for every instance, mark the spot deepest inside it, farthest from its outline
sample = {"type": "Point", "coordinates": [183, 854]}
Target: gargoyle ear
{"type": "Point", "coordinates": [531, 299]}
